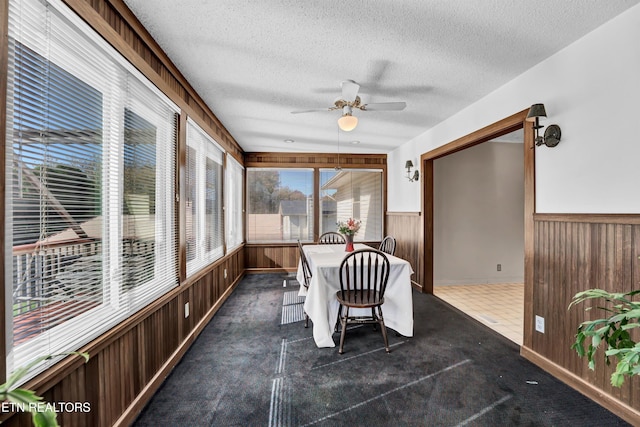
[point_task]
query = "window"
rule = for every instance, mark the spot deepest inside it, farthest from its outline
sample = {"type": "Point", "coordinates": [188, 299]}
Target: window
{"type": "Point", "coordinates": [355, 194]}
{"type": "Point", "coordinates": [279, 205]}
{"type": "Point", "coordinates": [233, 203]}
{"type": "Point", "coordinates": [204, 201]}
{"type": "Point", "coordinates": [90, 184]}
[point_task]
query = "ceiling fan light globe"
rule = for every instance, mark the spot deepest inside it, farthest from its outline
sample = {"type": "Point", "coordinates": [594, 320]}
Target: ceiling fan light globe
{"type": "Point", "coordinates": [347, 123]}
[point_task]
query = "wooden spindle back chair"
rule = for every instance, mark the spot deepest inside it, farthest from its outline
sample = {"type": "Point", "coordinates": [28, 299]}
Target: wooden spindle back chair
{"type": "Point", "coordinates": [306, 273]}
{"type": "Point", "coordinates": [363, 279]}
{"type": "Point", "coordinates": [388, 245]}
{"type": "Point", "coordinates": [331, 238]}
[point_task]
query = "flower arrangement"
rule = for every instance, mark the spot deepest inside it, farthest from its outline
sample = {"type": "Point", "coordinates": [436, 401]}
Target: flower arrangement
{"type": "Point", "coordinates": [349, 227]}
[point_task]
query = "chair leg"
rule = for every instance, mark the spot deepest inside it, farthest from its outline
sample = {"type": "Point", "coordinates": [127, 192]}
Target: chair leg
{"type": "Point", "coordinates": [373, 316]}
{"type": "Point", "coordinates": [306, 320]}
{"type": "Point", "coordinates": [384, 330]}
{"type": "Point", "coordinates": [343, 324]}
{"type": "Point", "coordinates": [338, 320]}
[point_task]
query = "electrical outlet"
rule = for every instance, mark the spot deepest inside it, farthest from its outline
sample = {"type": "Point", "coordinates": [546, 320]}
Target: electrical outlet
{"type": "Point", "coordinates": [540, 324]}
{"type": "Point", "coordinates": [499, 267]}
{"type": "Point", "coordinates": [186, 310]}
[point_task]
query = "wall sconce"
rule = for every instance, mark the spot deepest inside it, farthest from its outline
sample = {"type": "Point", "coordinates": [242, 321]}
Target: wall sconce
{"type": "Point", "coordinates": [552, 134]}
{"type": "Point", "coordinates": [416, 174]}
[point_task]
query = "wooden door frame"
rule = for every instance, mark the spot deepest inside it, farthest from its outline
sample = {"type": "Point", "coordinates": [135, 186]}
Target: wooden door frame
{"type": "Point", "coordinates": [492, 131]}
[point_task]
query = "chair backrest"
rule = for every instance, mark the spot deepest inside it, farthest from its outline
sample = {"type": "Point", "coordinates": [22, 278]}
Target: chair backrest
{"type": "Point", "coordinates": [331, 238]}
{"type": "Point", "coordinates": [365, 271]}
{"type": "Point", "coordinates": [388, 245]}
{"type": "Point", "coordinates": [306, 271]}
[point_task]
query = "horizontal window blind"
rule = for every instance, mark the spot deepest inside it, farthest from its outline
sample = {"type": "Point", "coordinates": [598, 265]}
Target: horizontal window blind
{"type": "Point", "coordinates": [233, 203]}
{"type": "Point", "coordinates": [90, 174]}
{"type": "Point", "coordinates": [352, 193]}
{"type": "Point", "coordinates": [204, 216]}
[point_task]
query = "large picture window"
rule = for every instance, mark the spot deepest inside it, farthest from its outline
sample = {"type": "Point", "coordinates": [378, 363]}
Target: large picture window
{"type": "Point", "coordinates": [352, 193]}
{"type": "Point", "coordinates": [90, 170]}
{"type": "Point", "coordinates": [279, 205]}
{"type": "Point", "coordinates": [204, 199]}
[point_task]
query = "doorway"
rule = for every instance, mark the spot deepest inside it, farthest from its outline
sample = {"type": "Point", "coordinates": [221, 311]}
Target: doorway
{"type": "Point", "coordinates": [515, 292]}
{"type": "Point", "coordinates": [479, 232]}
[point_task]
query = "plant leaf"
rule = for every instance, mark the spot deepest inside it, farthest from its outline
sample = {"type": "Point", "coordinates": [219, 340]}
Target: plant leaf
{"type": "Point", "coordinates": [23, 396]}
{"type": "Point", "coordinates": [46, 418]}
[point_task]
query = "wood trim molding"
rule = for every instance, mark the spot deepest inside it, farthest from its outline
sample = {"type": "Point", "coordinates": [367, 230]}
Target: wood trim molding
{"type": "Point", "coordinates": [157, 68]}
{"type": "Point", "coordinates": [49, 378]}
{"type": "Point", "coordinates": [269, 270]}
{"type": "Point", "coordinates": [210, 267]}
{"type": "Point", "coordinates": [315, 160]}
{"type": "Point", "coordinates": [502, 127]}
{"type": "Point", "coordinates": [487, 133]}
{"type": "Point", "coordinates": [427, 226]}
{"type": "Point", "coordinates": [129, 415]}
{"type": "Point", "coordinates": [619, 408]}
{"type": "Point", "coordinates": [404, 213]}
{"type": "Point", "coordinates": [630, 219]}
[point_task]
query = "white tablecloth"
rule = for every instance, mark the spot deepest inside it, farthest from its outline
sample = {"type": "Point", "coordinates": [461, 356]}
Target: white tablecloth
{"type": "Point", "coordinates": [322, 306]}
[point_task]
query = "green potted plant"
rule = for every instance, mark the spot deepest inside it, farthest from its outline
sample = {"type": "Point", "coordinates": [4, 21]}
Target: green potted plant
{"type": "Point", "coordinates": [623, 315]}
{"type": "Point", "coordinates": [42, 415]}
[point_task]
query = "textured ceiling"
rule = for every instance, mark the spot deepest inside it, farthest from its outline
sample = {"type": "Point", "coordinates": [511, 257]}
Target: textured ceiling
{"type": "Point", "coordinates": [253, 62]}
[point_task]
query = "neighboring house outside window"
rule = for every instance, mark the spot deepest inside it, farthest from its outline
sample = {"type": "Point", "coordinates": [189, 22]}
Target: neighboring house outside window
{"type": "Point", "coordinates": [352, 193]}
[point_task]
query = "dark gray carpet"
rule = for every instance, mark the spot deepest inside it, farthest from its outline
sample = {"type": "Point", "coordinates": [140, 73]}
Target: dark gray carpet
{"type": "Point", "coordinates": [249, 369]}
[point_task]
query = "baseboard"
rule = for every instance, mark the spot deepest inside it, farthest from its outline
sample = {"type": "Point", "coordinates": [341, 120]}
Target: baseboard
{"type": "Point", "coordinates": [621, 409]}
{"type": "Point", "coordinates": [269, 270]}
{"type": "Point", "coordinates": [134, 409]}
{"type": "Point", "coordinates": [485, 280]}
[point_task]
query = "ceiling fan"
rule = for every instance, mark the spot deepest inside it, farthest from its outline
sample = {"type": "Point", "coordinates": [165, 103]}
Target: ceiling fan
{"type": "Point", "coordinates": [350, 101]}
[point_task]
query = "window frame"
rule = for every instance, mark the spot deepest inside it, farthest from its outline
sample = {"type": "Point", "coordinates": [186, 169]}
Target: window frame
{"type": "Point", "coordinates": [117, 303]}
{"type": "Point", "coordinates": [310, 219]}
{"type": "Point", "coordinates": [357, 204]}
{"type": "Point", "coordinates": [205, 148]}
{"type": "Point", "coordinates": [316, 196]}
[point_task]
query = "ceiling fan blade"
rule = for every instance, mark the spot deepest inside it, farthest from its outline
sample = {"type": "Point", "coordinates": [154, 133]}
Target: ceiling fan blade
{"type": "Point", "coordinates": [349, 90]}
{"type": "Point", "coordinates": [311, 110]}
{"type": "Point", "coordinates": [384, 106]}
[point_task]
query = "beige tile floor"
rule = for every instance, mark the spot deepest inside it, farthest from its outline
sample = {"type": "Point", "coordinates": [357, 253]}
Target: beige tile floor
{"type": "Point", "coordinates": [499, 306]}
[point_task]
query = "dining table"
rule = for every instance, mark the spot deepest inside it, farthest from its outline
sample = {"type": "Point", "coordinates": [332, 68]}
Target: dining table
{"type": "Point", "coordinates": [321, 304]}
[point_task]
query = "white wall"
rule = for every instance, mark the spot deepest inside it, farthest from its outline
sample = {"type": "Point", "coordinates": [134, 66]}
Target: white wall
{"type": "Point", "coordinates": [479, 215]}
{"type": "Point", "coordinates": [591, 89]}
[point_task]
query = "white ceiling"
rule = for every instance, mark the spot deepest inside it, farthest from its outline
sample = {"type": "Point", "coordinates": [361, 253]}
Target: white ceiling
{"type": "Point", "coordinates": [253, 62]}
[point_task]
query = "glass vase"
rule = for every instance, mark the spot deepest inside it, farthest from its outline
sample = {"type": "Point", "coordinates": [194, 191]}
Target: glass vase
{"type": "Point", "coordinates": [349, 245]}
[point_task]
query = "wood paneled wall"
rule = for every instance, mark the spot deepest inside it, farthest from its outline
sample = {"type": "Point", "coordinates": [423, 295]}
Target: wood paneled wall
{"type": "Point", "coordinates": [129, 363]}
{"type": "Point", "coordinates": [271, 258]}
{"type": "Point", "coordinates": [317, 160]}
{"type": "Point", "coordinates": [574, 253]}
{"type": "Point", "coordinates": [406, 227]}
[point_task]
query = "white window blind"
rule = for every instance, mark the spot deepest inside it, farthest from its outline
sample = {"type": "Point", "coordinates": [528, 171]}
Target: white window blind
{"type": "Point", "coordinates": [90, 228]}
{"type": "Point", "coordinates": [233, 203]}
{"type": "Point", "coordinates": [204, 218]}
{"type": "Point", "coordinates": [352, 193]}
